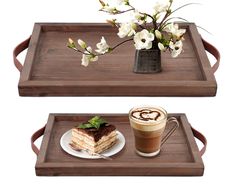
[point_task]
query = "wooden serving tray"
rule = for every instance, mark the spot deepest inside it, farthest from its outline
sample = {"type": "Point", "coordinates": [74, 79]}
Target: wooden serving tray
{"type": "Point", "coordinates": [51, 69]}
{"type": "Point", "coordinates": [179, 156]}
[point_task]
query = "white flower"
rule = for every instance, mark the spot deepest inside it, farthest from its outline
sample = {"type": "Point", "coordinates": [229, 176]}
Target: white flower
{"type": "Point", "coordinates": [143, 39]}
{"type": "Point", "coordinates": [174, 30]}
{"type": "Point", "coordinates": [140, 18]}
{"type": "Point", "coordinates": [161, 46]}
{"type": "Point", "coordinates": [176, 48]}
{"type": "Point", "coordinates": [179, 33]}
{"type": "Point", "coordinates": [161, 6]}
{"type": "Point", "coordinates": [126, 29]}
{"type": "Point", "coordinates": [85, 60]}
{"type": "Point", "coordinates": [87, 57]}
{"type": "Point", "coordinates": [89, 49]}
{"type": "Point", "coordinates": [82, 43]}
{"type": "Point", "coordinates": [102, 46]}
{"type": "Point", "coordinates": [158, 34]}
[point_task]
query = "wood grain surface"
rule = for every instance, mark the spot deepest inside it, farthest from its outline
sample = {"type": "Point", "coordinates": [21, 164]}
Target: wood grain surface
{"type": "Point", "coordinates": [51, 69]}
{"type": "Point", "coordinates": [179, 156]}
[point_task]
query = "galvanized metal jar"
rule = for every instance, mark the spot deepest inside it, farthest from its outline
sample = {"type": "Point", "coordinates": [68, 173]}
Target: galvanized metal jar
{"type": "Point", "coordinates": [147, 61]}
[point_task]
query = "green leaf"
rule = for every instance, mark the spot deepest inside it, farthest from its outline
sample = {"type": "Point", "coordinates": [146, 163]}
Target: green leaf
{"type": "Point", "coordinates": [71, 45]}
{"type": "Point", "coordinates": [94, 122]}
{"type": "Point", "coordinates": [85, 126]}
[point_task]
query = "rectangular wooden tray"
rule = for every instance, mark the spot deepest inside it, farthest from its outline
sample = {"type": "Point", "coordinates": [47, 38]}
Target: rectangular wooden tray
{"type": "Point", "coordinates": [179, 156]}
{"type": "Point", "coordinates": [51, 69]}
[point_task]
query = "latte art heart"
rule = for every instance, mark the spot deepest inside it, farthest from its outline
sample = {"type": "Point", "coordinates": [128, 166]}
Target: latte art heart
{"type": "Point", "coordinates": [146, 114]}
{"type": "Point", "coordinates": [152, 115]}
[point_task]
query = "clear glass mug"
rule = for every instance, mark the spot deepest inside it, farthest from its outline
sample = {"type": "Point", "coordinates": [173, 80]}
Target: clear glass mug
{"type": "Point", "coordinates": [148, 124]}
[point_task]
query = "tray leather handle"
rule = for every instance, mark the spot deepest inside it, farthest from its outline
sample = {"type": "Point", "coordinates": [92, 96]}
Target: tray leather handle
{"type": "Point", "coordinates": [214, 51]}
{"type": "Point", "coordinates": [202, 138]}
{"type": "Point", "coordinates": [18, 49]}
{"type": "Point", "coordinates": [34, 137]}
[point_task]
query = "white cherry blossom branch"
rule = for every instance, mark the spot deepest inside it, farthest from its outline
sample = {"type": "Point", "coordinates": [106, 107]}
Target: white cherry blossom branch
{"type": "Point", "coordinates": [88, 55]}
{"type": "Point", "coordinates": [115, 11]}
{"type": "Point", "coordinates": [161, 33]}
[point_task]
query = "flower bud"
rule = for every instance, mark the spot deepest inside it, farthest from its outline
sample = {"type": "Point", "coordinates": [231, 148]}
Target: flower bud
{"type": "Point", "coordinates": [123, 2]}
{"type": "Point", "coordinates": [126, 2]}
{"type": "Point", "coordinates": [82, 43]}
{"type": "Point", "coordinates": [158, 34]}
{"type": "Point", "coordinates": [71, 43]}
{"type": "Point", "coordinates": [112, 22]}
{"type": "Point", "coordinates": [161, 46]}
{"type": "Point", "coordinates": [134, 26]}
{"type": "Point", "coordinates": [102, 3]}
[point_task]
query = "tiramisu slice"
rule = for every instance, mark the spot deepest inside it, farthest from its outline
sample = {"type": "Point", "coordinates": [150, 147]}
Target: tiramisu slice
{"type": "Point", "coordinates": [96, 135]}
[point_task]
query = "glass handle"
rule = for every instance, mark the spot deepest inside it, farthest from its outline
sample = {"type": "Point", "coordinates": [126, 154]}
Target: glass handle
{"type": "Point", "coordinates": [172, 130]}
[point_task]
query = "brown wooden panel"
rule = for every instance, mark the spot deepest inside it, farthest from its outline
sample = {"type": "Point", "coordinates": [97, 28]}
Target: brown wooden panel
{"type": "Point", "coordinates": [50, 63]}
{"type": "Point", "coordinates": [179, 156]}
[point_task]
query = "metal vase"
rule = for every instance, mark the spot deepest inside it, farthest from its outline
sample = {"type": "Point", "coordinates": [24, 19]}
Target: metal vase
{"type": "Point", "coordinates": [147, 61]}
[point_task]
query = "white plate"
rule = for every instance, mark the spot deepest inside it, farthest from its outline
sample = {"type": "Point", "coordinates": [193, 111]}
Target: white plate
{"type": "Point", "coordinates": [117, 147]}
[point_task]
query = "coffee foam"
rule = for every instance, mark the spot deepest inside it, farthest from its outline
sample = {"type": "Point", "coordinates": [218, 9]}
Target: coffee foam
{"type": "Point", "coordinates": [148, 118]}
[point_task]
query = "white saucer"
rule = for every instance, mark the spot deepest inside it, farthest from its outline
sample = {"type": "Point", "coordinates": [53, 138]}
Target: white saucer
{"type": "Point", "coordinates": [117, 147]}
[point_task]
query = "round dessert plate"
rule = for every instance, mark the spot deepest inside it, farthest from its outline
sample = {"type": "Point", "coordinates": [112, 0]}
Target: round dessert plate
{"type": "Point", "coordinates": [66, 139]}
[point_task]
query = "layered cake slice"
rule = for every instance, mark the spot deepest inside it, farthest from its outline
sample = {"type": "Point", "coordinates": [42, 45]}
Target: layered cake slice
{"type": "Point", "coordinates": [95, 136]}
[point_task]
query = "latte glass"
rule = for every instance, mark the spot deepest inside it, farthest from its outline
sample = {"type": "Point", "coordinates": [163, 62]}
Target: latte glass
{"type": "Point", "coordinates": [148, 124]}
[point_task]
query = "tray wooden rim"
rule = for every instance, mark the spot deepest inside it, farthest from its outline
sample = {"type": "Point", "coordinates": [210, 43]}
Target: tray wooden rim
{"type": "Point", "coordinates": [208, 85]}
{"type": "Point", "coordinates": [194, 151]}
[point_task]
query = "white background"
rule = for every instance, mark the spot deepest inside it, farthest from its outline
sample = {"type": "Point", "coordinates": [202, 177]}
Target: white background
{"type": "Point", "coordinates": [21, 116]}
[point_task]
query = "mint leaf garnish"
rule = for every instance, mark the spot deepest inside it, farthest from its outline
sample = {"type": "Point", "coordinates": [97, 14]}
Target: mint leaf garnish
{"type": "Point", "coordinates": [85, 126]}
{"type": "Point", "coordinates": [94, 122]}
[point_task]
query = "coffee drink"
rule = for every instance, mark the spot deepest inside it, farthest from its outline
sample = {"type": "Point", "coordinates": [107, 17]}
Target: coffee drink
{"type": "Point", "coordinates": [148, 124]}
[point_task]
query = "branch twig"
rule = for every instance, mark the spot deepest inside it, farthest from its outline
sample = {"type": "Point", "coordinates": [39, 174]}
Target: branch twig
{"type": "Point", "coordinates": [121, 43]}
